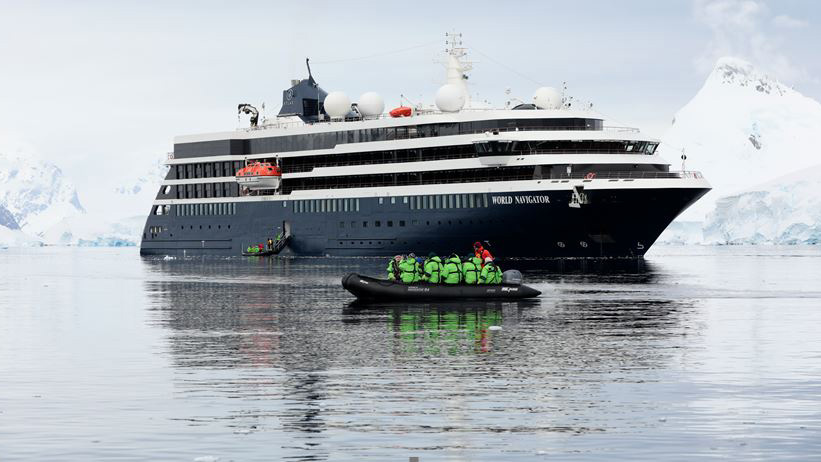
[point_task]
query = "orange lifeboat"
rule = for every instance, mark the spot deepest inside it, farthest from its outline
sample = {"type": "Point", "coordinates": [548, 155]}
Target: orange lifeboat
{"type": "Point", "coordinates": [402, 111]}
{"type": "Point", "coordinates": [259, 175]}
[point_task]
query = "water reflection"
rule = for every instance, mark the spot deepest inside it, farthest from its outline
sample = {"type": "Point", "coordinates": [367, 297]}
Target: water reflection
{"type": "Point", "coordinates": [277, 346]}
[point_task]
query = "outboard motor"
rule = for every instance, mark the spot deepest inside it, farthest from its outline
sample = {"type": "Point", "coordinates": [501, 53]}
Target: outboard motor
{"type": "Point", "coordinates": [512, 277]}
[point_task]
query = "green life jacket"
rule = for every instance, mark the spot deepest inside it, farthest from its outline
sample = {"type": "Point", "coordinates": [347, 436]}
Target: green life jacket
{"type": "Point", "coordinates": [433, 270]}
{"type": "Point", "coordinates": [452, 271]}
{"type": "Point", "coordinates": [420, 274]}
{"type": "Point", "coordinates": [392, 270]}
{"type": "Point", "coordinates": [407, 268]}
{"type": "Point", "coordinates": [470, 273]}
{"type": "Point", "coordinates": [491, 274]}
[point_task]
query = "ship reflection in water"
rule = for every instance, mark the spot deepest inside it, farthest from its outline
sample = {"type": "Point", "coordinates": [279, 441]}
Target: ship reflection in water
{"type": "Point", "coordinates": [275, 347]}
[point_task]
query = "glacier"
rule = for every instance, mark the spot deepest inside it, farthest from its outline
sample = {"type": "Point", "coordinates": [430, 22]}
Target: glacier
{"type": "Point", "coordinates": [750, 135]}
{"type": "Point", "coordinates": [116, 213]}
{"type": "Point", "coordinates": [786, 210]}
{"type": "Point", "coordinates": [741, 129]}
{"type": "Point", "coordinates": [40, 206]}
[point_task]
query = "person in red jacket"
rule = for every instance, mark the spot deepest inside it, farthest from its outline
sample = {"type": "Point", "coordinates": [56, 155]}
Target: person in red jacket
{"type": "Point", "coordinates": [481, 252]}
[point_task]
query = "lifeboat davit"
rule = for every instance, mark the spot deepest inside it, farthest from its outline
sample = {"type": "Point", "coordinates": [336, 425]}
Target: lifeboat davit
{"type": "Point", "coordinates": [259, 175]}
{"type": "Point", "coordinates": [402, 111]}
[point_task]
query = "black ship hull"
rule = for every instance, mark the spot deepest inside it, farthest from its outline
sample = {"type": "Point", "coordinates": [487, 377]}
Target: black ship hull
{"type": "Point", "coordinates": [614, 223]}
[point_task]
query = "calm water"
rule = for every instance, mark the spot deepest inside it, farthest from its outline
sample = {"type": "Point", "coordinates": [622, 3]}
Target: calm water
{"type": "Point", "coordinates": [699, 352]}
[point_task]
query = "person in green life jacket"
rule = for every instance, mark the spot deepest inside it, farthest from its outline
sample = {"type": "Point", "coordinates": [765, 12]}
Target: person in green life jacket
{"type": "Point", "coordinates": [491, 274]}
{"type": "Point", "coordinates": [432, 269]}
{"type": "Point", "coordinates": [418, 262]}
{"type": "Point", "coordinates": [470, 270]}
{"type": "Point", "coordinates": [393, 268]}
{"type": "Point", "coordinates": [452, 270]}
{"type": "Point", "coordinates": [408, 270]}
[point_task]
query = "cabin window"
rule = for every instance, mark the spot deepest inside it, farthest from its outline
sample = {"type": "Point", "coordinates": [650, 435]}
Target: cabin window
{"type": "Point", "coordinates": [390, 223]}
{"type": "Point", "coordinates": [377, 223]}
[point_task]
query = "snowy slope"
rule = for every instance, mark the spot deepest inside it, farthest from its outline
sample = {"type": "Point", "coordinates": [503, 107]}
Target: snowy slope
{"type": "Point", "coordinates": [7, 219]}
{"type": "Point", "coordinates": [741, 129]}
{"type": "Point", "coordinates": [35, 191]}
{"type": "Point", "coordinates": [117, 215]}
{"type": "Point", "coordinates": [10, 234]}
{"type": "Point", "coordinates": [786, 210]}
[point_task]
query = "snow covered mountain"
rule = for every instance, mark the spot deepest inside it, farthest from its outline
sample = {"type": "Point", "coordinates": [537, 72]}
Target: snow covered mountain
{"type": "Point", "coordinates": [116, 214]}
{"type": "Point", "coordinates": [786, 210]}
{"type": "Point", "coordinates": [741, 129]}
{"type": "Point", "coordinates": [35, 192]}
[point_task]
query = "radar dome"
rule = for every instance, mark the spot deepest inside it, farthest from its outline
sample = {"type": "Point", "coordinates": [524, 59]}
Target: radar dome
{"type": "Point", "coordinates": [547, 98]}
{"type": "Point", "coordinates": [450, 98]}
{"type": "Point", "coordinates": [371, 104]}
{"type": "Point", "coordinates": [337, 104]}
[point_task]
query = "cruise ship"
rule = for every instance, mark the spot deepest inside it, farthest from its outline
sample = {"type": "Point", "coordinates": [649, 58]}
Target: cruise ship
{"type": "Point", "coordinates": [533, 179]}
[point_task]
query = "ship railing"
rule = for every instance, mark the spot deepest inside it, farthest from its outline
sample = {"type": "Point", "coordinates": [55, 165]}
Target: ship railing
{"type": "Point", "coordinates": [300, 123]}
{"type": "Point", "coordinates": [626, 175]}
{"type": "Point", "coordinates": [296, 168]}
{"type": "Point", "coordinates": [412, 133]}
{"type": "Point", "coordinates": [351, 182]}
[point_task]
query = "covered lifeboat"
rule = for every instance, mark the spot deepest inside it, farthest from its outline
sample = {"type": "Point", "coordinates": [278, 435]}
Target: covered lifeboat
{"type": "Point", "coordinates": [259, 175]}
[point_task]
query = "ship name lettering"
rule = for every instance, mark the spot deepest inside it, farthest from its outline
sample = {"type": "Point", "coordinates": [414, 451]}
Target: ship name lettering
{"type": "Point", "coordinates": [508, 200]}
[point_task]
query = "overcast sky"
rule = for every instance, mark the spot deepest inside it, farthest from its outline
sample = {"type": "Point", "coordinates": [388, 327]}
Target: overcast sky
{"type": "Point", "coordinates": [109, 83]}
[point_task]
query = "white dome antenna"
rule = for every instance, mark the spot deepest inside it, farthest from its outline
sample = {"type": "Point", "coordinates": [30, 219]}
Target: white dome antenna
{"type": "Point", "coordinates": [450, 98]}
{"type": "Point", "coordinates": [547, 98]}
{"type": "Point", "coordinates": [371, 104]}
{"type": "Point", "coordinates": [337, 104]}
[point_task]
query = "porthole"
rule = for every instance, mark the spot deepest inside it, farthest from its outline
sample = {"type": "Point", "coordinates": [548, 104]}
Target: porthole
{"type": "Point", "coordinates": [583, 244]}
{"type": "Point", "coordinates": [560, 244]}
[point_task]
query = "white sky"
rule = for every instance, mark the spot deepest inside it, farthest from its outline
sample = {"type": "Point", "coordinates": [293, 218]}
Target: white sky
{"type": "Point", "coordinates": [96, 85]}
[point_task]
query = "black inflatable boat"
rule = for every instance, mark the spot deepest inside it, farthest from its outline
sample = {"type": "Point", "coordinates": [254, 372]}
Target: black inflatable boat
{"type": "Point", "coordinates": [278, 246]}
{"type": "Point", "coordinates": [368, 288]}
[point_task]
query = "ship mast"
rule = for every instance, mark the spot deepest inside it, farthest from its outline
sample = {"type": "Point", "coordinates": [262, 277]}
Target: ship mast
{"type": "Point", "coordinates": [455, 67]}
